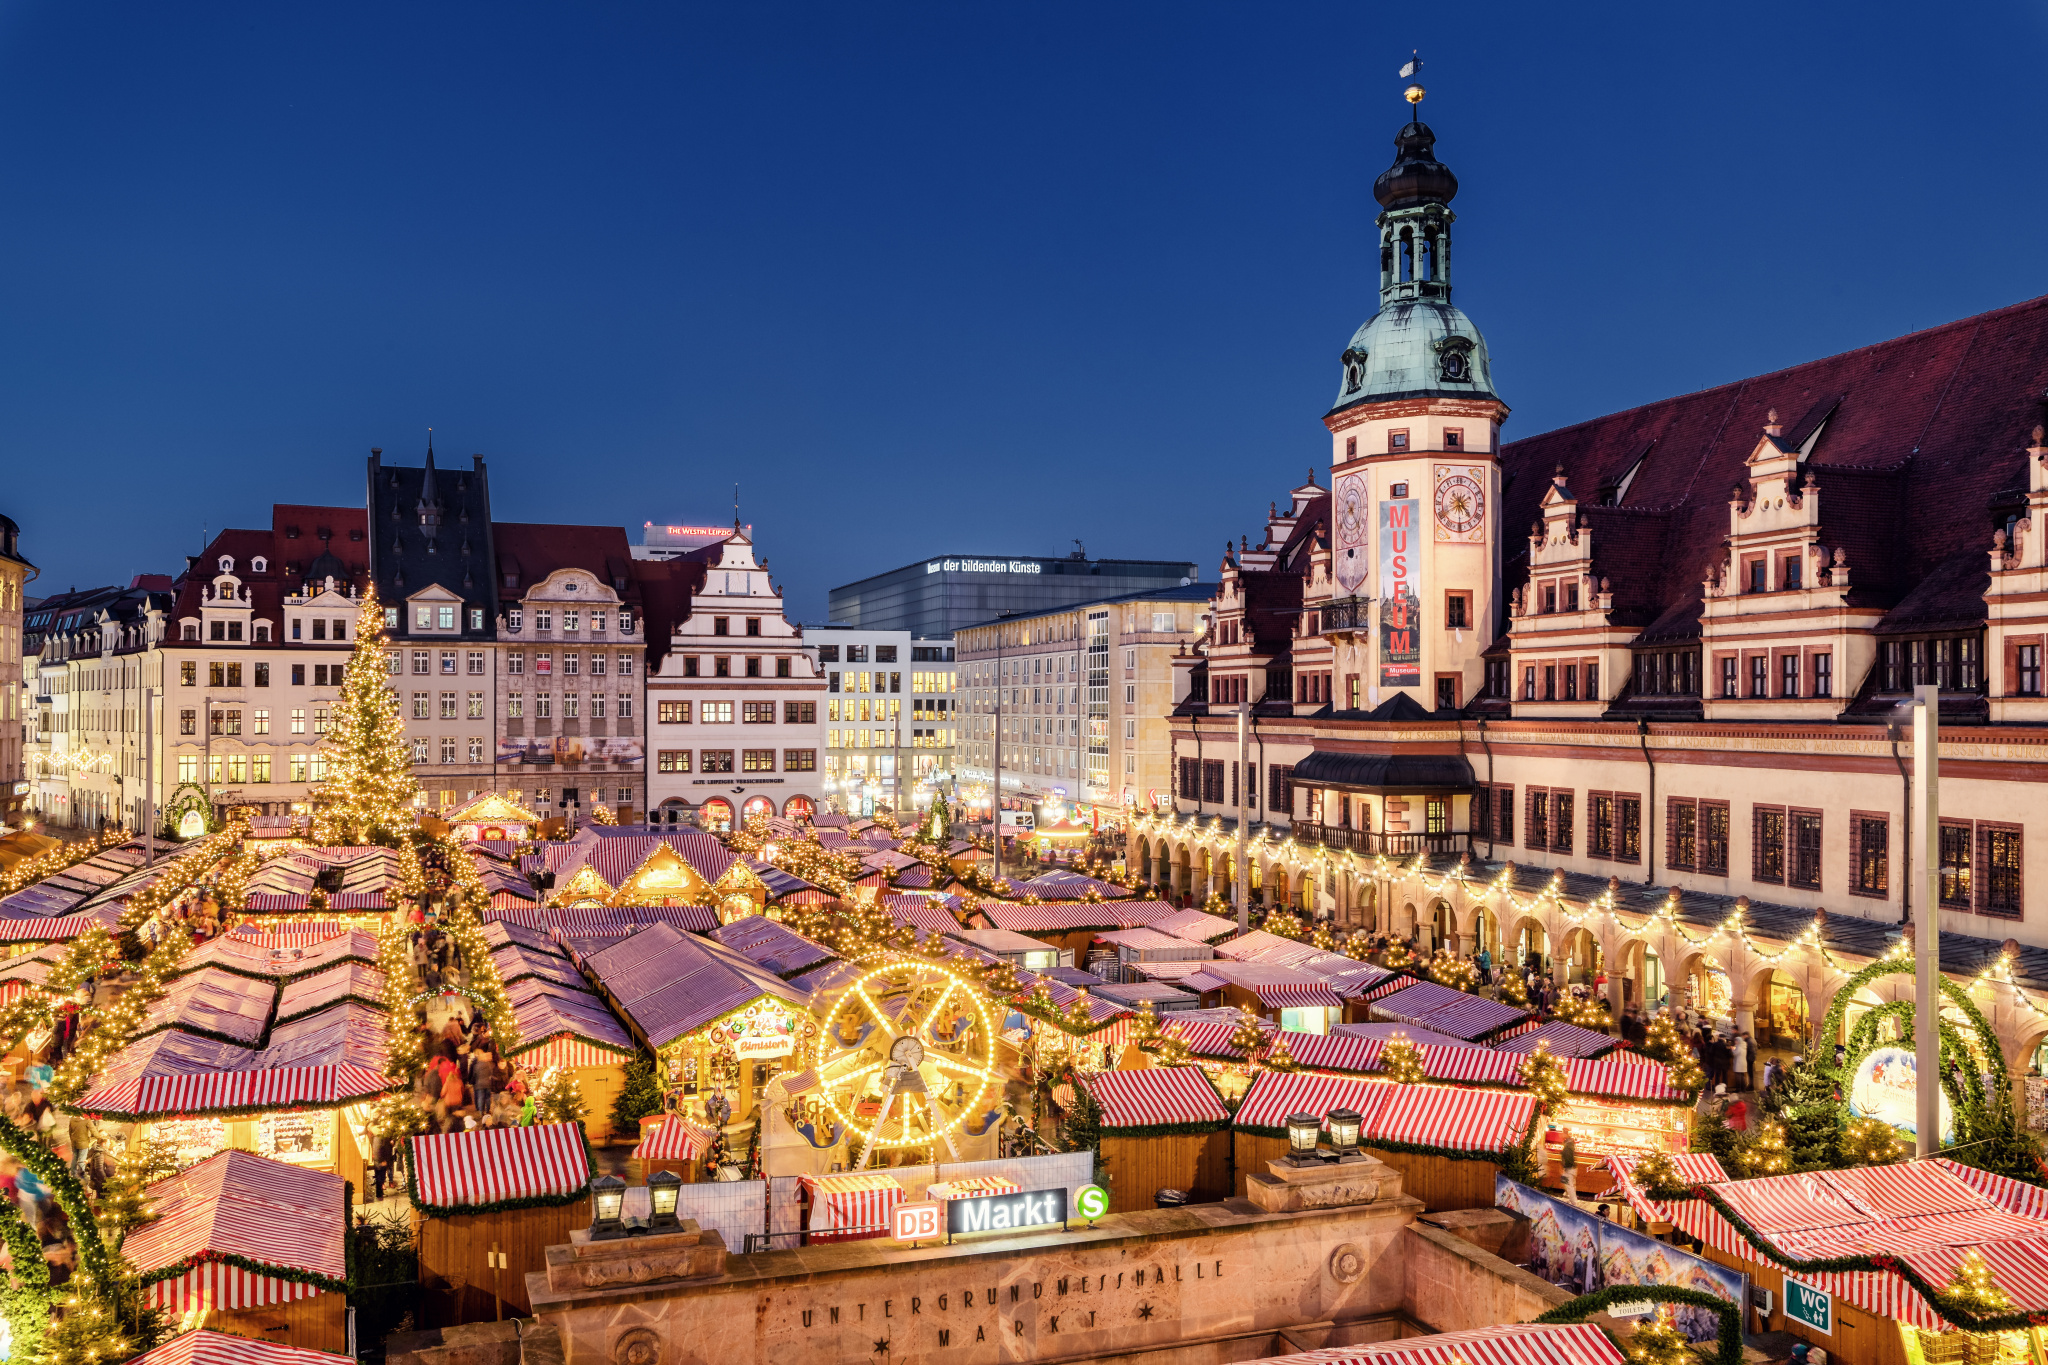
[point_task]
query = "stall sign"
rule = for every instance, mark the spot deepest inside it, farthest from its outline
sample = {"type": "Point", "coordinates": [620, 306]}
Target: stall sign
{"type": "Point", "coordinates": [1809, 1307]}
{"type": "Point", "coordinates": [305, 1139]}
{"type": "Point", "coordinates": [193, 1140]}
{"type": "Point", "coordinates": [1006, 1212]}
{"type": "Point", "coordinates": [765, 1028]}
{"type": "Point", "coordinates": [2037, 1102]}
{"type": "Point", "coordinates": [1618, 1128]}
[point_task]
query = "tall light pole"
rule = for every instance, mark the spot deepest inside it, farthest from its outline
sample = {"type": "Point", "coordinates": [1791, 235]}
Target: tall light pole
{"type": "Point", "coordinates": [1927, 920]}
{"type": "Point", "coordinates": [1241, 890]}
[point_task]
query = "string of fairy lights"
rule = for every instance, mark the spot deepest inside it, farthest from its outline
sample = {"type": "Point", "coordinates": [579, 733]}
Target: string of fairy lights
{"type": "Point", "coordinates": [1213, 837]}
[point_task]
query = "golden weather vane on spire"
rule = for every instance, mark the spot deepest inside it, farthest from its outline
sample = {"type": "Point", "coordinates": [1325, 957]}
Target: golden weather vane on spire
{"type": "Point", "coordinates": [1414, 93]}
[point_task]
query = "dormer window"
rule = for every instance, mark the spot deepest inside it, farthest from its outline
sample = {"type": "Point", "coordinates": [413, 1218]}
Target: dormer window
{"type": "Point", "coordinates": [1354, 371]}
{"type": "Point", "coordinates": [227, 563]}
{"type": "Point", "coordinates": [259, 565]}
{"type": "Point", "coordinates": [512, 619]}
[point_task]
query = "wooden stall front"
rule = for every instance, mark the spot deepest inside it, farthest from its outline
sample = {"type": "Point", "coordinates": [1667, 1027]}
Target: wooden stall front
{"type": "Point", "coordinates": [263, 1213]}
{"type": "Point", "coordinates": [461, 1185]}
{"type": "Point", "coordinates": [669, 1143]}
{"type": "Point", "coordinates": [1163, 1128]}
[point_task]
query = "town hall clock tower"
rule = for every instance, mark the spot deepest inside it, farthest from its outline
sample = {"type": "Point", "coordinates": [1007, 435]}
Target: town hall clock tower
{"type": "Point", "coordinates": [1415, 477]}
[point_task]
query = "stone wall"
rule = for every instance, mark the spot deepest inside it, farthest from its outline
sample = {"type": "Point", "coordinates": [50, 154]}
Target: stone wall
{"type": "Point", "coordinates": [1130, 1287]}
{"type": "Point", "coordinates": [1450, 1285]}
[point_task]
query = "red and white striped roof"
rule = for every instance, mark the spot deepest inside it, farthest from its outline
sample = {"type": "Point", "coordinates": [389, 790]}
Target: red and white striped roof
{"type": "Point", "coordinates": [1627, 1075]}
{"type": "Point", "coordinates": [932, 914]}
{"type": "Point", "coordinates": [1068, 886]}
{"type": "Point", "coordinates": [296, 1087]}
{"type": "Point", "coordinates": [1204, 1037]}
{"type": "Point", "coordinates": [1193, 925]}
{"type": "Point", "coordinates": [1578, 1343]}
{"type": "Point", "coordinates": [673, 1138]}
{"type": "Point", "coordinates": [1260, 946]}
{"type": "Point", "coordinates": [1357, 981]}
{"type": "Point", "coordinates": [1332, 1051]}
{"type": "Point", "coordinates": [1293, 994]}
{"type": "Point", "coordinates": [1694, 1168]}
{"type": "Point", "coordinates": [1921, 1213]}
{"type": "Point", "coordinates": [299, 935]}
{"type": "Point", "coordinates": [1447, 1011]}
{"type": "Point", "coordinates": [2014, 1196]}
{"type": "Point", "coordinates": [55, 929]}
{"type": "Point", "coordinates": [1566, 1040]}
{"type": "Point", "coordinates": [239, 1204]}
{"type": "Point", "coordinates": [206, 1347]}
{"type": "Point", "coordinates": [1156, 1096]}
{"type": "Point", "coordinates": [1277, 1094]}
{"type": "Point", "coordinates": [343, 981]}
{"type": "Point", "coordinates": [1473, 1065]}
{"type": "Point", "coordinates": [1454, 1119]}
{"type": "Point", "coordinates": [492, 1165]}
{"type": "Point", "coordinates": [236, 1007]}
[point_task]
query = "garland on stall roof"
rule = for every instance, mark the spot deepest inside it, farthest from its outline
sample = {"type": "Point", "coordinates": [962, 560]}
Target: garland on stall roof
{"type": "Point", "coordinates": [1586, 1305]}
{"type": "Point", "coordinates": [51, 861]}
{"type": "Point", "coordinates": [537, 1201]}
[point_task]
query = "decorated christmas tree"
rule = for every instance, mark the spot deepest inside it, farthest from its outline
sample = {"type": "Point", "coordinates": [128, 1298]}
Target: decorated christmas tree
{"type": "Point", "coordinates": [1545, 1077]}
{"type": "Point", "coordinates": [1658, 1342]}
{"type": "Point", "coordinates": [1657, 1176]}
{"type": "Point", "coordinates": [1872, 1142]}
{"type": "Point", "coordinates": [1766, 1152]}
{"type": "Point", "coordinates": [1973, 1291]}
{"type": "Point", "coordinates": [1511, 989]}
{"type": "Point", "coordinates": [1666, 1044]}
{"type": "Point", "coordinates": [638, 1097]}
{"type": "Point", "coordinates": [1248, 1038]}
{"type": "Point", "coordinates": [368, 795]}
{"type": "Point", "coordinates": [557, 1099]}
{"type": "Point", "coordinates": [1812, 1116]}
{"type": "Point", "coordinates": [1281, 1058]}
{"type": "Point", "coordinates": [1401, 1061]}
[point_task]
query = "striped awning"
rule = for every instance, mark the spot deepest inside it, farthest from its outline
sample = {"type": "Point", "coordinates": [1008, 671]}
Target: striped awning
{"type": "Point", "coordinates": [241, 1205]}
{"type": "Point", "coordinates": [672, 1139]}
{"type": "Point", "coordinates": [1156, 1097]}
{"type": "Point", "coordinates": [1694, 1168]}
{"type": "Point", "coordinates": [218, 1348]}
{"type": "Point", "coordinates": [1453, 1119]}
{"type": "Point", "coordinates": [1276, 1094]}
{"type": "Point", "coordinates": [286, 1087]}
{"type": "Point", "coordinates": [1204, 1037]}
{"type": "Point", "coordinates": [1272, 949]}
{"type": "Point", "coordinates": [215, 1002]}
{"type": "Point", "coordinates": [300, 935]}
{"type": "Point", "coordinates": [1579, 1343]}
{"type": "Point", "coordinates": [2014, 1196]}
{"type": "Point", "coordinates": [1566, 1040]}
{"type": "Point", "coordinates": [453, 1171]}
{"type": "Point", "coordinates": [567, 1050]}
{"type": "Point", "coordinates": [925, 912]}
{"type": "Point", "coordinates": [56, 929]}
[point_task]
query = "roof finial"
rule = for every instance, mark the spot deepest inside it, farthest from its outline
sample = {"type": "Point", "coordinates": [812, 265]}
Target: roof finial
{"type": "Point", "coordinates": [1414, 93]}
{"type": "Point", "coordinates": [735, 507]}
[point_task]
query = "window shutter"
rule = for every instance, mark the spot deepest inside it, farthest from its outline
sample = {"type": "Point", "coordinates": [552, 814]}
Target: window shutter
{"type": "Point", "coordinates": [1980, 879]}
{"type": "Point", "coordinates": [1530, 795]}
{"type": "Point", "coordinates": [1856, 853]}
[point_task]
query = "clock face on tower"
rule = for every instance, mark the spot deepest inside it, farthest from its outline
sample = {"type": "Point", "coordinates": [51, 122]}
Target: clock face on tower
{"type": "Point", "coordinates": [1460, 505]}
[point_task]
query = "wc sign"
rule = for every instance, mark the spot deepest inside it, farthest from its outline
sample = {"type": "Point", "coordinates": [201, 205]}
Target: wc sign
{"type": "Point", "coordinates": [1809, 1307]}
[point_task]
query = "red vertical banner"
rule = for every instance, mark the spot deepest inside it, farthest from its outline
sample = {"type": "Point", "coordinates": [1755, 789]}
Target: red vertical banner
{"type": "Point", "coordinates": [1400, 595]}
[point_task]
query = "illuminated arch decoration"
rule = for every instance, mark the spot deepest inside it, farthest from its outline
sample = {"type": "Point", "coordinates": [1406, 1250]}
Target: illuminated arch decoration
{"type": "Point", "coordinates": [1967, 1097]}
{"type": "Point", "coordinates": [715, 815]}
{"type": "Point", "coordinates": [189, 806]}
{"type": "Point", "coordinates": [906, 1056]}
{"type": "Point", "coordinates": [756, 805]}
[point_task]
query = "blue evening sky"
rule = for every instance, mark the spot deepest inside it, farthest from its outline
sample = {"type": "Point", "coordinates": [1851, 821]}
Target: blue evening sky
{"type": "Point", "coordinates": [922, 277]}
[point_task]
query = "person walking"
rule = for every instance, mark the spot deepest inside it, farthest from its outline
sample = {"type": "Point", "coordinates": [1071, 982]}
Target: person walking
{"type": "Point", "coordinates": [1738, 1060]}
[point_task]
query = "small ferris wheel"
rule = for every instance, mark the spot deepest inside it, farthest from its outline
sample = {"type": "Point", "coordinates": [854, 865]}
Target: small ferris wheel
{"type": "Point", "coordinates": [906, 1056]}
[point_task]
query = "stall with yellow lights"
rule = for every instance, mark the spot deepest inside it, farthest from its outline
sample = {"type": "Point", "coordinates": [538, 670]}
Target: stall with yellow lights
{"type": "Point", "coordinates": [491, 818]}
{"type": "Point", "coordinates": [720, 1026]}
{"type": "Point", "coordinates": [605, 867]}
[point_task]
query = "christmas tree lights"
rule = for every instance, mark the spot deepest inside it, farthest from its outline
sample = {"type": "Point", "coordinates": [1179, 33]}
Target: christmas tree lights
{"type": "Point", "coordinates": [1447, 969]}
{"type": "Point", "coordinates": [1873, 1142]}
{"type": "Point", "coordinates": [1657, 1176]}
{"type": "Point", "coordinates": [368, 795]}
{"type": "Point", "coordinates": [1973, 1290]}
{"type": "Point", "coordinates": [1666, 1044]}
{"type": "Point", "coordinates": [1281, 1056]}
{"type": "Point", "coordinates": [1766, 1152]}
{"type": "Point", "coordinates": [1401, 1061]}
{"type": "Point", "coordinates": [1659, 1342]}
{"type": "Point", "coordinates": [1545, 1077]}
{"type": "Point", "coordinates": [557, 1099]}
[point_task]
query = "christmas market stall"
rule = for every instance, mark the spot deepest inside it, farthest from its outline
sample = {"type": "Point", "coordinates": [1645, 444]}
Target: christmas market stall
{"type": "Point", "coordinates": [720, 1025]}
{"type": "Point", "coordinates": [248, 1247]}
{"type": "Point", "coordinates": [1918, 1263]}
{"type": "Point", "coordinates": [1651, 1203]}
{"type": "Point", "coordinates": [1447, 1141]}
{"type": "Point", "coordinates": [491, 818]}
{"type": "Point", "coordinates": [1443, 1009]}
{"type": "Point", "coordinates": [487, 1204]}
{"type": "Point", "coordinates": [1164, 1128]}
{"type": "Point", "coordinates": [574, 1031]}
{"type": "Point", "coordinates": [673, 1144]}
{"type": "Point", "coordinates": [609, 866]}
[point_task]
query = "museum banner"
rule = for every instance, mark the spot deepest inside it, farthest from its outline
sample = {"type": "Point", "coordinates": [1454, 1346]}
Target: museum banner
{"type": "Point", "coordinates": [1400, 600]}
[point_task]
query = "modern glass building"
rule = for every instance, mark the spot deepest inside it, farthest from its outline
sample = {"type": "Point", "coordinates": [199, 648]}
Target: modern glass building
{"type": "Point", "coordinates": [940, 595]}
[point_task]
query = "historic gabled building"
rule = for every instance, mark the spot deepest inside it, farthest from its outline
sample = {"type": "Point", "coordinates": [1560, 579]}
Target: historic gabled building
{"type": "Point", "coordinates": [15, 575]}
{"type": "Point", "coordinates": [1627, 695]}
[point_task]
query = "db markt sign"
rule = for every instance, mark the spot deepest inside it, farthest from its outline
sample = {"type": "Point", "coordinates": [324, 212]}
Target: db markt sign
{"type": "Point", "coordinates": [1809, 1307]}
{"type": "Point", "coordinates": [1006, 1212]}
{"type": "Point", "coordinates": [921, 1222]}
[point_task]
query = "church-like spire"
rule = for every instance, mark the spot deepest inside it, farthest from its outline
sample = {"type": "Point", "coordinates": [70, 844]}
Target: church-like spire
{"type": "Point", "coordinates": [430, 501]}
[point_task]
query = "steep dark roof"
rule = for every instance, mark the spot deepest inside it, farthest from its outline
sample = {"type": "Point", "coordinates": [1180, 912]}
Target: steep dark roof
{"type": "Point", "coordinates": [1918, 438]}
{"type": "Point", "coordinates": [1393, 773]}
{"type": "Point", "coordinates": [303, 545]}
{"type": "Point", "coordinates": [433, 526]}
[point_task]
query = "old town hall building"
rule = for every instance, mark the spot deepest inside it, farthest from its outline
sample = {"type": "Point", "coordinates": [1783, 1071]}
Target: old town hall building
{"type": "Point", "coordinates": [1625, 696]}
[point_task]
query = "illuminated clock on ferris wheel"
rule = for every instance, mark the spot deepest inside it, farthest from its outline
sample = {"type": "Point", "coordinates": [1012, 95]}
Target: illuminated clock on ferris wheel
{"type": "Point", "coordinates": [906, 1056]}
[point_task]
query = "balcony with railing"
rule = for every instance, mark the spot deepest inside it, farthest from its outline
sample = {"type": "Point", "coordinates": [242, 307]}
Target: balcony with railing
{"type": "Point", "coordinates": [1393, 843]}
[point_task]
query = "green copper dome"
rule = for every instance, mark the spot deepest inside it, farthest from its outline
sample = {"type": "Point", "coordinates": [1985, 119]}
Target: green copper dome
{"type": "Point", "coordinates": [1418, 345]}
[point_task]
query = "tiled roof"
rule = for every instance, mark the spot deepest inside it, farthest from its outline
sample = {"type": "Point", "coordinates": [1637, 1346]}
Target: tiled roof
{"type": "Point", "coordinates": [1916, 436]}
